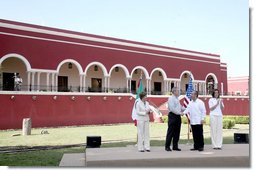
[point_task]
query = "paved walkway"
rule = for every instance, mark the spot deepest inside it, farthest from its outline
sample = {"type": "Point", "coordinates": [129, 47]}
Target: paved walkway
{"type": "Point", "coordinates": [232, 155]}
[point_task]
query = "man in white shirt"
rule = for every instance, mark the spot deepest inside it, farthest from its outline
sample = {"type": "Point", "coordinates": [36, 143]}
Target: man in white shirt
{"type": "Point", "coordinates": [196, 109]}
{"type": "Point", "coordinates": [174, 121]}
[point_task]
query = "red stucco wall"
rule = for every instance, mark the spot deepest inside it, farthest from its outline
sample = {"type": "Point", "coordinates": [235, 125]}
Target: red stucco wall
{"type": "Point", "coordinates": [47, 112]}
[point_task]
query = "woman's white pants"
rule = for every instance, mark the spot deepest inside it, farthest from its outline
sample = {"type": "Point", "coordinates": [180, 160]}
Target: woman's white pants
{"type": "Point", "coordinates": [216, 124]}
{"type": "Point", "coordinates": [143, 135]}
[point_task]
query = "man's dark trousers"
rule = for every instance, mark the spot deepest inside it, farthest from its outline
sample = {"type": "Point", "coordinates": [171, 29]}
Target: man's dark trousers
{"type": "Point", "coordinates": [198, 137]}
{"type": "Point", "coordinates": [174, 128]}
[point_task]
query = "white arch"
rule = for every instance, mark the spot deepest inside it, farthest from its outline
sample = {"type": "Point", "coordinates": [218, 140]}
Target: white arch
{"type": "Point", "coordinates": [142, 68]}
{"type": "Point", "coordinates": [123, 67]}
{"type": "Point", "coordinates": [161, 70]}
{"type": "Point", "coordinates": [70, 61]}
{"type": "Point", "coordinates": [214, 77]}
{"type": "Point", "coordinates": [188, 72]}
{"type": "Point", "coordinates": [104, 70]}
{"type": "Point", "coordinates": [14, 55]}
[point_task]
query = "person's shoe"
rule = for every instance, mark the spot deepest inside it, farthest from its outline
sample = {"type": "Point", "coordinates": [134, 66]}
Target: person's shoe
{"type": "Point", "coordinates": [168, 149]}
{"type": "Point", "coordinates": [176, 149]}
{"type": "Point", "coordinates": [147, 150]}
{"type": "Point", "coordinates": [201, 149]}
{"type": "Point", "coordinates": [215, 148]}
{"type": "Point", "coordinates": [141, 151]}
{"type": "Point", "coordinates": [193, 149]}
{"type": "Point", "coordinates": [219, 149]}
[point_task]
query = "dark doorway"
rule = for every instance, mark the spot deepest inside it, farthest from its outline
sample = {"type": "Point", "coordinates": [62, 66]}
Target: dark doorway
{"type": "Point", "coordinates": [157, 88]}
{"type": "Point", "coordinates": [96, 85]}
{"type": "Point", "coordinates": [133, 86]}
{"type": "Point", "coordinates": [62, 83]}
{"type": "Point", "coordinates": [8, 81]}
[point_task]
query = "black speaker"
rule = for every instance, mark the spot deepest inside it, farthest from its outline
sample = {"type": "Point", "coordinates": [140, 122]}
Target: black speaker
{"type": "Point", "coordinates": [93, 141]}
{"type": "Point", "coordinates": [240, 138]}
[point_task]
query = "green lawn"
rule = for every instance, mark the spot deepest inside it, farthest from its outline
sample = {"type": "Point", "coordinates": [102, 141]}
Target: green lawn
{"type": "Point", "coordinates": [112, 135]}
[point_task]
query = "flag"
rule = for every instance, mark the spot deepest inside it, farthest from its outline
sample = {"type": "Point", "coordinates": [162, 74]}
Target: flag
{"type": "Point", "coordinates": [140, 89]}
{"type": "Point", "coordinates": [187, 97]}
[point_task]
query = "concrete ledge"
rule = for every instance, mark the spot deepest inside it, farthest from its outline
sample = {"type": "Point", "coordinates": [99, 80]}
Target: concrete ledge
{"type": "Point", "coordinates": [232, 155]}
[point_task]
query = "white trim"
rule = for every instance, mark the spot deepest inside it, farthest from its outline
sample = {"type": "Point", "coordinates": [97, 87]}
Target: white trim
{"type": "Point", "coordinates": [116, 42]}
{"type": "Point", "coordinates": [189, 72]}
{"type": "Point", "coordinates": [104, 70]}
{"type": "Point", "coordinates": [105, 47]}
{"type": "Point", "coordinates": [214, 77]}
{"type": "Point", "coordinates": [70, 61]}
{"type": "Point", "coordinates": [224, 70]}
{"type": "Point", "coordinates": [161, 70]}
{"type": "Point", "coordinates": [123, 67]}
{"type": "Point", "coordinates": [14, 55]}
{"type": "Point", "coordinates": [143, 69]}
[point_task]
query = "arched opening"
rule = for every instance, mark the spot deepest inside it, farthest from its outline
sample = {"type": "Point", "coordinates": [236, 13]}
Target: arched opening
{"type": "Point", "coordinates": [157, 82]}
{"type": "Point", "coordinates": [11, 68]}
{"type": "Point", "coordinates": [118, 79]}
{"type": "Point", "coordinates": [211, 83]}
{"type": "Point", "coordinates": [136, 74]}
{"type": "Point", "coordinates": [68, 77]}
{"type": "Point", "coordinates": [95, 78]}
{"type": "Point", "coordinates": [185, 77]}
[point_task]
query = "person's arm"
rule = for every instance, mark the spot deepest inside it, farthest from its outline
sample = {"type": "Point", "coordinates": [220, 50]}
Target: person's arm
{"type": "Point", "coordinates": [139, 109]}
{"type": "Point", "coordinates": [221, 104]}
{"type": "Point", "coordinates": [212, 106]}
{"type": "Point", "coordinates": [203, 112]}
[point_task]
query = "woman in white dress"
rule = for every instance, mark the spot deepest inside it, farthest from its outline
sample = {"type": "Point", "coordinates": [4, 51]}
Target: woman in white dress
{"type": "Point", "coordinates": [216, 119]}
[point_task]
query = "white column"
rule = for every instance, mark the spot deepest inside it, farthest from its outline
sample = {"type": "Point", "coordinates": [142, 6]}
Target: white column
{"type": "Point", "coordinates": [108, 83]}
{"type": "Point", "coordinates": [130, 85]}
{"type": "Point", "coordinates": [47, 81]}
{"type": "Point", "coordinates": [56, 82]}
{"type": "Point", "coordinates": [38, 81]}
{"type": "Point", "coordinates": [127, 83]}
{"type": "Point", "coordinates": [150, 86]}
{"type": "Point", "coordinates": [28, 80]}
{"type": "Point", "coordinates": [147, 86]}
{"type": "Point", "coordinates": [80, 83]}
{"type": "Point", "coordinates": [105, 83]}
{"type": "Point", "coordinates": [84, 83]}
{"type": "Point", "coordinates": [33, 75]}
{"type": "Point", "coordinates": [52, 81]}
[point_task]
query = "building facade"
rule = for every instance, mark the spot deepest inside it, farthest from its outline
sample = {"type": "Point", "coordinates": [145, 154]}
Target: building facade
{"type": "Point", "coordinates": [238, 86]}
{"type": "Point", "coordinates": [55, 60]}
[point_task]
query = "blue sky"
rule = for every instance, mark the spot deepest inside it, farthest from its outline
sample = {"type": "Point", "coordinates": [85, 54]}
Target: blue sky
{"type": "Point", "coordinates": [211, 26]}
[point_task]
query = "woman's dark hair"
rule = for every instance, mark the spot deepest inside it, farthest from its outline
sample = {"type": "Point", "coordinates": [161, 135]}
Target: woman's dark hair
{"type": "Point", "coordinates": [142, 95]}
{"type": "Point", "coordinates": [213, 93]}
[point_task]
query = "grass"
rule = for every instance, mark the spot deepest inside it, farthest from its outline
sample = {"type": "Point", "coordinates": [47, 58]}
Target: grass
{"type": "Point", "coordinates": [118, 135]}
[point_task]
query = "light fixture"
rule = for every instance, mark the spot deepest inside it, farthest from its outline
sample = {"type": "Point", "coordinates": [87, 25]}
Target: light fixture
{"type": "Point", "coordinates": [95, 68]}
{"type": "Point", "coordinates": [185, 75]}
{"type": "Point", "coordinates": [88, 98]}
{"type": "Point", "coordinates": [73, 98]}
{"type": "Point", "coordinates": [70, 65]}
{"type": "Point", "coordinates": [117, 69]}
{"type": "Point", "coordinates": [119, 98]}
{"type": "Point", "coordinates": [104, 98]}
{"type": "Point", "coordinates": [54, 97]}
{"type": "Point", "coordinates": [34, 98]}
{"type": "Point", "coordinates": [12, 97]}
{"type": "Point", "coordinates": [160, 73]}
{"type": "Point", "coordinates": [136, 71]}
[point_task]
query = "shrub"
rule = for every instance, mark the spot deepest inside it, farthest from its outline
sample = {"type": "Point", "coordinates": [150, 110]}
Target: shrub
{"type": "Point", "coordinates": [164, 118]}
{"type": "Point", "coordinates": [238, 119]}
{"type": "Point", "coordinates": [228, 123]}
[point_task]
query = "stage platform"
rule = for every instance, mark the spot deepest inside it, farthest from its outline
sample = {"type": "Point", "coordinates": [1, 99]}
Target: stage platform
{"type": "Point", "coordinates": [232, 155]}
